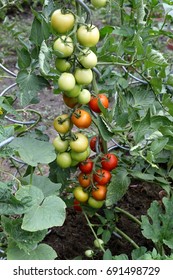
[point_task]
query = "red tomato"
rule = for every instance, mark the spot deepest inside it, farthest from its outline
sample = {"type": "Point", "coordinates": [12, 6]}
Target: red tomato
{"type": "Point", "coordinates": [109, 161]}
{"type": "Point", "coordinates": [102, 176]}
{"type": "Point", "coordinates": [86, 166]}
{"type": "Point", "coordinates": [84, 180]}
{"type": "Point", "coordinates": [81, 118]}
{"type": "Point", "coordinates": [93, 144]}
{"type": "Point", "coordinates": [76, 205]}
{"type": "Point", "coordinates": [99, 193]}
{"type": "Point", "coordinates": [94, 102]}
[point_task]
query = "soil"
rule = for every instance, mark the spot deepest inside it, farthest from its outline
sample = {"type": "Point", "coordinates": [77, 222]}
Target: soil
{"type": "Point", "coordinates": [72, 239]}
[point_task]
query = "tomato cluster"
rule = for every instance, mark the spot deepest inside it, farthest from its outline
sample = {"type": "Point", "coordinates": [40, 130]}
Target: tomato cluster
{"type": "Point", "coordinates": [75, 62]}
{"type": "Point", "coordinates": [93, 178]}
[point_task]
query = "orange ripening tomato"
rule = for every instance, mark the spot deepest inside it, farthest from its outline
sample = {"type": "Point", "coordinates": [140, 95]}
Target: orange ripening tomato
{"type": "Point", "coordinates": [70, 101]}
{"type": "Point", "coordinates": [84, 180]}
{"type": "Point", "coordinates": [81, 118]}
{"type": "Point", "coordinates": [94, 102]}
{"type": "Point", "coordinates": [99, 193]}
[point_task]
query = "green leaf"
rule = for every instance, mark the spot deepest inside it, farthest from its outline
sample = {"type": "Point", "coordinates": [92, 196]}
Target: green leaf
{"type": "Point", "coordinates": [106, 235]}
{"type": "Point", "coordinates": [25, 240]}
{"type": "Point", "coordinates": [141, 127]}
{"type": "Point", "coordinates": [24, 59]}
{"type": "Point", "coordinates": [44, 59]}
{"type": "Point", "coordinates": [118, 186]}
{"type": "Point", "coordinates": [9, 204]}
{"type": "Point", "coordinates": [51, 212]}
{"type": "Point", "coordinates": [43, 183]}
{"type": "Point", "coordinates": [41, 252]}
{"type": "Point", "coordinates": [154, 57]}
{"type": "Point", "coordinates": [158, 145]}
{"type": "Point", "coordinates": [107, 255]}
{"type": "Point", "coordinates": [142, 176]}
{"type": "Point", "coordinates": [33, 151]}
{"type": "Point", "coordinates": [40, 30]}
{"type": "Point", "coordinates": [30, 84]}
{"type": "Point", "coordinates": [104, 129]}
{"type": "Point", "coordinates": [158, 224]}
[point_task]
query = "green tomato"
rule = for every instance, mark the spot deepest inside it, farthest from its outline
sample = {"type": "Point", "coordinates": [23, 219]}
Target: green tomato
{"type": "Point", "coordinates": [88, 59]}
{"type": "Point", "coordinates": [74, 92]}
{"type": "Point", "coordinates": [98, 3]}
{"type": "Point", "coordinates": [80, 194]}
{"type": "Point", "coordinates": [62, 64]}
{"type": "Point", "coordinates": [62, 23]}
{"type": "Point", "coordinates": [80, 143]}
{"type": "Point", "coordinates": [83, 76]}
{"type": "Point", "coordinates": [66, 81]}
{"type": "Point", "coordinates": [60, 145]}
{"type": "Point", "coordinates": [64, 160]}
{"type": "Point", "coordinates": [95, 203]}
{"type": "Point", "coordinates": [88, 35]}
{"type": "Point", "coordinates": [89, 253]}
{"type": "Point", "coordinates": [84, 97]}
{"type": "Point", "coordinates": [62, 123]}
{"type": "Point", "coordinates": [63, 46]}
{"type": "Point", "coordinates": [98, 243]}
{"type": "Point", "coordinates": [80, 156]}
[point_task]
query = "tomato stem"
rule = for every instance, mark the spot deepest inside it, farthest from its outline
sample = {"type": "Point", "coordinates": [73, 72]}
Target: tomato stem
{"type": "Point", "coordinates": [91, 227]}
{"type": "Point", "coordinates": [125, 236]}
{"type": "Point", "coordinates": [130, 216]}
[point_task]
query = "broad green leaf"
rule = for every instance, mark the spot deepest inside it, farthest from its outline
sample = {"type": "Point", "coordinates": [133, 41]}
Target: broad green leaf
{"type": "Point", "coordinates": [141, 128]}
{"type": "Point", "coordinates": [25, 240]}
{"type": "Point", "coordinates": [30, 84]}
{"type": "Point", "coordinates": [51, 212]}
{"type": "Point", "coordinates": [158, 145]}
{"type": "Point", "coordinates": [107, 255]}
{"type": "Point", "coordinates": [39, 31]}
{"type": "Point", "coordinates": [59, 175]}
{"type": "Point", "coordinates": [44, 184]}
{"type": "Point", "coordinates": [104, 129]}
{"type": "Point", "coordinates": [41, 252]}
{"type": "Point", "coordinates": [118, 186]}
{"type": "Point", "coordinates": [9, 204]}
{"type": "Point", "coordinates": [142, 176]}
{"type": "Point", "coordinates": [30, 191]}
{"type": "Point", "coordinates": [154, 57]}
{"type": "Point", "coordinates": [33, 151]}
{"type": "Point", "coordinates": [24, 58]}
{"type": "Point", "coordinates": [44, 59]}
{"type": "Point", "coordinates": [158, 224]}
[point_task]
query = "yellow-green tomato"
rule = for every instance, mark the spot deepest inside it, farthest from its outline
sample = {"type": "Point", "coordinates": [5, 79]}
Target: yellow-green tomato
{"type": "Point", "coordinates": [60, 145]}
{"type": "Point", "coordinates": [62, 123]}
{"type": "Point", "coordinates": [63, 46]}
{"type": "Point", "coordinates": [84, 97]}
{"type": "Point", "coordinates": [89, 253]}
{"type": "Point", "coordinates": [83, 76]}
{"type": "Point", "coordinates": [80, 194]}
{"type": "Point", "coordinates": [66, 81]}
{"type": "Point", "coordinates": [98, 3]}
{"type": "Point", "coordinates": [95, 203]}
{"type": "Point", "coordinates": [88, 59]}
{"type": "Point", "coordinates": [79, 143]}
{"type": "Point", "coordinates": [64, 160]}
{"type": "Point", "coordinates": [98, 243]}
{"type": "Point", "coordinates": [80, 156]}
{"type": "Point", "coordinates": [74, 92]}
{"type": "Point", "coordinates": [62, 22]}
{"type": "Point", "coordinates": [88, 35]}
{"type": "Point", "coordinates": [62, 64]}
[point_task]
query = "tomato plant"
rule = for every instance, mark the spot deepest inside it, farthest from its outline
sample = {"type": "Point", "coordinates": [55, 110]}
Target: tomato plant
{"type": "Point", "coordinates": [117, 76]}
